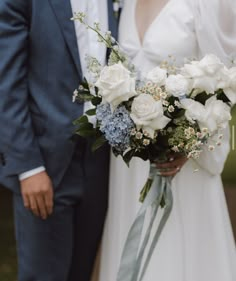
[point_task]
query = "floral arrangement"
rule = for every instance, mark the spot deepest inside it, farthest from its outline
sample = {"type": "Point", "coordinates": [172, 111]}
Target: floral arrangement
{"type": "Point", "coordinates": [165, 110]}
{"type": "Point", "coordinates": [151, 115]}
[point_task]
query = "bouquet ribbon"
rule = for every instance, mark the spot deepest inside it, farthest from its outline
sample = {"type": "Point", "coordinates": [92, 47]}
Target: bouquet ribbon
{"type": "Point", "coordinates": [132, 266]}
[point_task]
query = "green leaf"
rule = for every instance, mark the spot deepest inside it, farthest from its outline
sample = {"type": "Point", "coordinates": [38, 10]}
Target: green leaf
{"type": "Point", "coordinates": [81, 120]}
{"type": "Point", "coordinates": [222, 96]}
{"type": "Point", "coordinates": [178, 113]}
{"type": "Point", "coordinates": [98, 143]}
{"type": "Point", "coordinates": [85, 129]}
{"type": "Point", "coordinates": [96, 101]}
{"type": "Point", "coordinates": [85, 84]}
{"type": "Point", "coordinates": [128, 156]}
{"type": "Point", "coordinates": [85, 96]}
{"type": "Point", "coordinates": [116, 152]}
{"type": "Point", "coordinates": [85, 133]}
{"type": "Point", "coordinates": [91, 112]}
{"type": "Point", "coordinates": [203, 97]}
{"type": "Point", "coordinates": [86, 126]}
{"type": "Point", "coordinates": [143, 154]}
{"type": "Point", "coordinates": [96, 90]}
{"type": "Point", "coordinates": [145, 190]}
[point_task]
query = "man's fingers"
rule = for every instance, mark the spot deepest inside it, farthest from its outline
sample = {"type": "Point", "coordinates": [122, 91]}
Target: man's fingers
{"type": "Point", "coordinates": [26, 201]}
{"type": "Point", "coordinates": [48, 199]}
{"type": "Point", "coordinates": [34, 206]}
{"type": "Point", "coordinates": [41, 207]}
{"type": "Point", "coordinates": [37, 192]}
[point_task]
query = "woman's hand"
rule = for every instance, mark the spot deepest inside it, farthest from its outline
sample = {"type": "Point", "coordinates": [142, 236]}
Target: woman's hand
{"type": "Point", "coordinates": [173, 166]}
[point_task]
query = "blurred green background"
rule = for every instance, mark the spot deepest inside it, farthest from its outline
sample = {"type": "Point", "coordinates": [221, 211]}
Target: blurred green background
{"type": "Point", "coordinates": [8, 266]}
{"type": "Point", "coordinates": [229, 174]}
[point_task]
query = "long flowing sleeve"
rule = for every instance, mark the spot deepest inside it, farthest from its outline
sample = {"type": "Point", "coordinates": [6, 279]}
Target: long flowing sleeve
{"type": "Point", "coordinates": [215, 25]}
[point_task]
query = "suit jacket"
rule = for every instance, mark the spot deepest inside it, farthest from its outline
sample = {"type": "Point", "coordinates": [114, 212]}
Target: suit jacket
{"type": "Point", "coordinates": [39, 69]}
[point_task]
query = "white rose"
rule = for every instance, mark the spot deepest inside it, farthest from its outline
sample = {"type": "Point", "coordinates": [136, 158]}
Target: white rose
{"type": "Point", "coordinates": [230, 88]}
{"type": "Point", "coordinates": [177, 85]}
{"type": "Point", "coordinates": [115, 84]}
{"type": "Point", "coordinates": [194, 110]}
{"type": "Point", "coordinates": [206, 84]}
{"type": "Point", "coordinates": [218, 114]}
{"type": "Point", "coordinates": [147, 113]}
{"type": "Point", "coordinates": [211, 64]}
{"type": "Point", "coordinates": [214, 115]}
{"type": "Point", "coordinates": [205, 74]}
{"type": "Point", "coordinates": [224, 79]}
{"type": "Point", "coordinates": [192, 70]}
{"type": "Point", "coordinates": [157, 75]}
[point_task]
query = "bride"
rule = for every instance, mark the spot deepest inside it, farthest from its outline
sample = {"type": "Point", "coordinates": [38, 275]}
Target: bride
{"type": "Point", "coordinates": [197, 243]}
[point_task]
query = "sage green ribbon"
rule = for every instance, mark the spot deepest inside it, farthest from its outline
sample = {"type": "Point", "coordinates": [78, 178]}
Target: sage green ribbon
{"type": "Point", "coordinates": [132, 256]}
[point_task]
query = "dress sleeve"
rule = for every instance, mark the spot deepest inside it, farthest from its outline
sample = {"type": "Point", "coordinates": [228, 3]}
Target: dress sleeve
{"type": "Point", "coordinates": [215, 26]}
{"type": "Point", "coordinates": [213, 161]}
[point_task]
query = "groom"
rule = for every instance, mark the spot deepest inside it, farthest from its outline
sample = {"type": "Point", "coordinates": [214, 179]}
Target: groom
{"type": "Point", "coordinates": [59, 186]}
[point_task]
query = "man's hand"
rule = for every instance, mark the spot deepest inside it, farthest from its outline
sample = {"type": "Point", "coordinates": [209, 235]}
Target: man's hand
{"type": "Point", "coordinates": [37, 193]}
{"type": "Point", "coordinates": [173, 166]}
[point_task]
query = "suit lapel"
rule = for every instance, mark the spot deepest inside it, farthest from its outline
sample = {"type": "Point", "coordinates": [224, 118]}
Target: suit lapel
{"type": "Point", "coordinates": [63, 13]}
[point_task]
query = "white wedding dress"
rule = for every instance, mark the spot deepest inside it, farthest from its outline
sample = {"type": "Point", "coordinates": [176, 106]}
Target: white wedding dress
{"type": "Point", "coordinates": [197, 242]}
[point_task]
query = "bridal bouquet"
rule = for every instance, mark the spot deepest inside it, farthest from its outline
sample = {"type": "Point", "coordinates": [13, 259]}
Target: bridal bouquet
{"type": "Point", "coordinates": [152, 115]}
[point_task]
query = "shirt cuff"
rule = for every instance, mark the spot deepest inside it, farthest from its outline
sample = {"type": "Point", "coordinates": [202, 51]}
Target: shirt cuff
{"type": "Point", "coordinates": [31, 173]}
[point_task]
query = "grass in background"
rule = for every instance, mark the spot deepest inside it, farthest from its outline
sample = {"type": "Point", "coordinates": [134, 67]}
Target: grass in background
{"type": "Point", "coordinates": [8, 267]}
{"type": "Point", "coordinates": [229, 174]}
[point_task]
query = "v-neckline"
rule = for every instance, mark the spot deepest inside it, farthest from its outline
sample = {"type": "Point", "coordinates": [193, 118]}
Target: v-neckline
{"type": "Point", "coordinates": [161, 12]}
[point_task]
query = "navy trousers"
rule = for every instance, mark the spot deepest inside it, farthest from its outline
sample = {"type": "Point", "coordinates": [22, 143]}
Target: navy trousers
{"type": "Point", "coordinates": [63, 247]}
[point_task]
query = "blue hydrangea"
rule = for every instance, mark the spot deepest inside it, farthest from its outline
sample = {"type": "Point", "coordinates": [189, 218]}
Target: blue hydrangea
{"type": "Point", "coordinates": [116, 126]}
{"type": "Point", "coordinates": [103, 111]}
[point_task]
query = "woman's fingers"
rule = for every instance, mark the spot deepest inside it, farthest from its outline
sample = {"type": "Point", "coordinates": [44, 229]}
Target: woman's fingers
{"type": "Point", "coordinates": [172, 164]}
{"type": "Point", "coordinates": [170, 173]}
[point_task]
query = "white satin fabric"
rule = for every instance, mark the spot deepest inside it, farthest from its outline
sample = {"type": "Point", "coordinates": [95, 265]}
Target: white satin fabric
{"type": "Point", "coordinates": [197, 243]}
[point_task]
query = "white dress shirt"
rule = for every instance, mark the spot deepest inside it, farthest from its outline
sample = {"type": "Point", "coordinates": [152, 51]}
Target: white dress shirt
{"type": "Point", "coordinates": [87, 40]}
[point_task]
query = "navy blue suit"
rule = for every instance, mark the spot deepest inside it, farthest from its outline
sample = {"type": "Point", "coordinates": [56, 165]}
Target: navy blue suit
{"type": "Point", "coordinates": [39, 69]}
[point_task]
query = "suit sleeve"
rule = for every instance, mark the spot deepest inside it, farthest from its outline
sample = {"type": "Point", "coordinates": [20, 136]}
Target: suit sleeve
{"type": "Point", "coordinates": [18, 145]}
